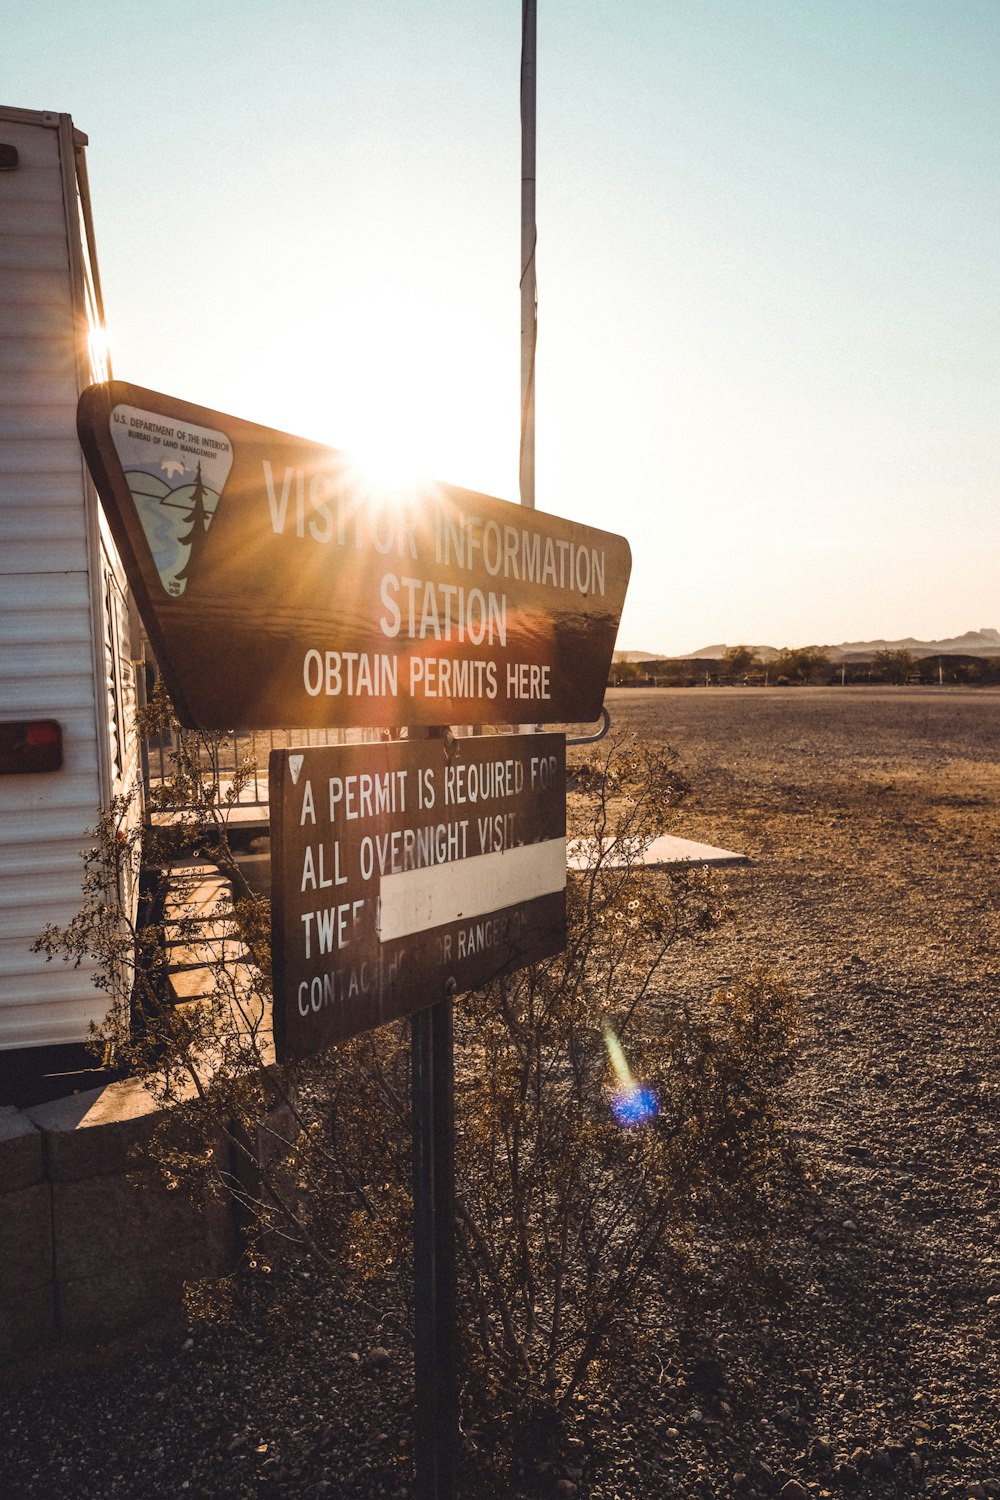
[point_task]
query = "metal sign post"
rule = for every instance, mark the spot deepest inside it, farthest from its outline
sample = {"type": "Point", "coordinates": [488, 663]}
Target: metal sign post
{"type": "Point", "coordinates": [529, 299]}
{"type": "Point", "coordinates": [434, 1296]}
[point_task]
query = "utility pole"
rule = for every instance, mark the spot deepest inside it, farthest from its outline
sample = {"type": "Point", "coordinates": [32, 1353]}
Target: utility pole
{"type": "Point", "coordinates": [529, 299]}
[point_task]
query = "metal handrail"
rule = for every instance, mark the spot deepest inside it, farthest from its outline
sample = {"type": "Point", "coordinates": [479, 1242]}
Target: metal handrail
{"type": "Point", "coordinates": [592, 739]}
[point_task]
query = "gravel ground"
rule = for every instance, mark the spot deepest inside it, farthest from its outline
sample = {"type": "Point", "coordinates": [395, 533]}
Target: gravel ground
{"type": "Point", "coordinates": [870, 1367]}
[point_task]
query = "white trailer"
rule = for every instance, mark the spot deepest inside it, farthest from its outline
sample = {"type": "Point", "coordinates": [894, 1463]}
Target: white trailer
{"type": "Point", "coordinates": [67, 686]}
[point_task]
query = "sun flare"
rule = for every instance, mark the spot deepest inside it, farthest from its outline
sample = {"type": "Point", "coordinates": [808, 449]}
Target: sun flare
{"type": "Point", "coordinates": [412, 387]}
{"type": "Point", "coordinates": [386, 471]}
{"type": "Point", "coordinates": [632, 1102]}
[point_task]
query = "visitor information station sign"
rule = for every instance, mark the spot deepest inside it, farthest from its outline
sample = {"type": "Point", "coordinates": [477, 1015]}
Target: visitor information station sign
{"type": "Point", "coordinates": [278, 589]}
{"type": "Point", "coordinates": [407, 871]}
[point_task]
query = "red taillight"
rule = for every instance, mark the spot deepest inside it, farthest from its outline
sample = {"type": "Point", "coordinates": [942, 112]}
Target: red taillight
{"type": "Point", "coordinates": [28, 746]}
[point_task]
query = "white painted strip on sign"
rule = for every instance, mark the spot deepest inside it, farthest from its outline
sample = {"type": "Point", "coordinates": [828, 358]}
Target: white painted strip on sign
{"type": "Point", "coordinates": [416, 900]}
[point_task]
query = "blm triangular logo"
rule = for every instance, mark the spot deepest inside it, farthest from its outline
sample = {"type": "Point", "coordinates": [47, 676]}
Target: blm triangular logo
{"type": "Point", "coordinates": [176, 474]}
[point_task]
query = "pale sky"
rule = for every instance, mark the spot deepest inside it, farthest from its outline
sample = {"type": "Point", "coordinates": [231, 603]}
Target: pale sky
{"type": "Point", "coordinates": [769, 235]}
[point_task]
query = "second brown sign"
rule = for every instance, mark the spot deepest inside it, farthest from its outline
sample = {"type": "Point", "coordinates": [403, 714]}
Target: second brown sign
{"type": "Point", "coordinates": [407, 871]}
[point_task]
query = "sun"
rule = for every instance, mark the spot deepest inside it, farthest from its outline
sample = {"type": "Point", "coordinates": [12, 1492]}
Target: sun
{"type": "Point", "coordinates": [387, 479]}
{"type": "Point", "coordinates": [411, 388]}
{"type": "Point", "coordinates": [388, 470]}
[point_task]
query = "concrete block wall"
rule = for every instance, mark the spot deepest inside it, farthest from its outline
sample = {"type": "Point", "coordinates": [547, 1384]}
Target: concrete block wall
{"type": "Point", "coordinates": [27, 1280]}
{"type": "Point", "coordinates": [92, 1241]}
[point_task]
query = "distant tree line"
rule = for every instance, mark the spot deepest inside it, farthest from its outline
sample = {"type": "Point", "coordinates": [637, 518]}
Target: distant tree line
{"type": "Point", "coordinates": [800, 665]}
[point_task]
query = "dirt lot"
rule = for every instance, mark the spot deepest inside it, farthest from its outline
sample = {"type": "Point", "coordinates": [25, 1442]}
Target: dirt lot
{"type": "Point", "coordinates": [872, 820]}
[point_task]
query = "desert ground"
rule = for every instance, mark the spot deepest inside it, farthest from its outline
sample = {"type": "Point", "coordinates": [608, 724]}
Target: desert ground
{"type": "Point", "coordinates": [869, 1366]}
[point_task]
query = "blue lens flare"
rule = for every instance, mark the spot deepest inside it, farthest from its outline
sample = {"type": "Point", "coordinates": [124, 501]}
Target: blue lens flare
{"type": "Point", "coordinates": [635, 1106]}
{"type": "Point", "coordinates": [632, 1103]}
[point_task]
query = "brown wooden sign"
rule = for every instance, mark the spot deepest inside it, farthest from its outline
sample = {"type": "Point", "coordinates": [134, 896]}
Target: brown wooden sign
{"type": "Point", "coordinates": [406, 871]}
{"type": "Point", "coordinates": [277, 590]}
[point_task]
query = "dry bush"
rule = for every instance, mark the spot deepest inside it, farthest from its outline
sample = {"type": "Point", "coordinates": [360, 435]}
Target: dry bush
{"type": "Point", "coordinates": [601, 1128]}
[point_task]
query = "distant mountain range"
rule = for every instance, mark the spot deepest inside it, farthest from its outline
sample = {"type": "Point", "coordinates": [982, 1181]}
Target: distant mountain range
{"type": "Point", "coordinates": [985, 642]}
